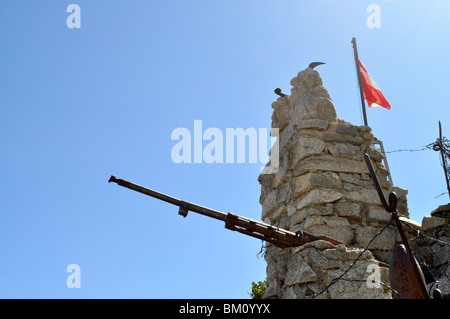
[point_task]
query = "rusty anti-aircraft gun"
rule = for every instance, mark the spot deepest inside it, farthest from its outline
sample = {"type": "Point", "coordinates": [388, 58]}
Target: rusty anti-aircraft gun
{"type": "Point", "coordinates": [405, 274]}
{"type": "Point", "coordinates": [277, 236]}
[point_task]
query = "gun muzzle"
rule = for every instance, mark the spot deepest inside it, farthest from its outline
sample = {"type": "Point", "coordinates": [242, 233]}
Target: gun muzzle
{"type": "Point", "coordinates": [112, 179]}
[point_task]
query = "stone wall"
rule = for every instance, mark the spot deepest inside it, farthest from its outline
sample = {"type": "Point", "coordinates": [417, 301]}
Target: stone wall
{"type": "Point", "coordinates": [323, 187]}
{"type": "Point", "coordinates": [433, 247]}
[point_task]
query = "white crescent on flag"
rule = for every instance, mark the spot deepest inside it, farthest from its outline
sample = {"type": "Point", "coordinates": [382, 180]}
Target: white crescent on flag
{"type": "Point", "coordinates": [372, 92]}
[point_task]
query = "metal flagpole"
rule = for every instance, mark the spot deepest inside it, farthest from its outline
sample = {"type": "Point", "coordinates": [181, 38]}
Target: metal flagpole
{"type": "Point", "coordinates": [358, 72]}
{"type": "Point", "coordinates": [363, 105]}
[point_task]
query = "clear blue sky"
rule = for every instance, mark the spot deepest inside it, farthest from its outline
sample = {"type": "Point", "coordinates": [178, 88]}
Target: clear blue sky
{"type": "Point", "coordinates": [81, 104]}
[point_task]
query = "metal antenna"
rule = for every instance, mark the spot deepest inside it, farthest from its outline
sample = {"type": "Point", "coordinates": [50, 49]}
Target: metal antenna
{"type": "Point", "coordinates": [442, 147]}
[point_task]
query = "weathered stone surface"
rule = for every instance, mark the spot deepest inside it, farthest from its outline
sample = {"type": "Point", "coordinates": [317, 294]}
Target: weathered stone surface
{"type": "Point", "coordinates": [364, 129]}
{"type": "Point", "coordinates": [338, 138]}
{"type": "Point", "coordinates": [343, 253]}
{"type": "Point", "coordinates": [309, 98]}
{"type": "Point", "coordinates": [330, 164]}
{"type": "Point", "coordinates": [284, 192]}
{"type": "Point", "coordinates": [298, 271]}
{"type": "Point", "coordinates": [433, 222]}
{"type": "Point", "coordinates": [335, 221]}
{"type": "Point", "coordinates": [289, 293]}
{"type": "Point", "coordinates": [442, 211]}
{"type": "Point", "coordinates": [281, 113]}
{"type": "Point", "coordinates": [265, 179]}
{"type": "Point", "coordinates": [368, 137]}
{"type": "Point", "coordinates": [444, 284]}
{"type": "Point", "coordinates": [275, 199]}
{"type": "Point", "coordinates": [384, 241]}
{"type": "Point", "coordinates": [272, 290]}
{"type": "Point", "coordinates": [307, 146]}
{"type": "Point", "coordinates": [314, 107]}
{"type": "Point", "coordinates": [343, 234]}
{"type": "Point", "coordinates": [319, 210]}
{"type": "Point", "coordinates": [374, 152]}
{"type": "Point", "coordinates": [347, 129]}
{"type": "Point", "coordinates": [299, 216]}
{"type": "Point", "coordinates": [355, 179]}
{"type": "Point", "coordinates": [319, 262]}
{"type": "Point", "coordinates": [356, 287]}
{"type": "Point", "coordinates": [349, 209]}
{"type": "Point", "coordinates": [269, 203]}
{"type": "Point", "coordinates": [306, 79]}
{"type": "Point", "coordinates": [441, 253]}
{"type": "Point", "coordinates": [315, 124]}
{"type": "Point", "coordinates": [279, 212]}
{"type": "Point", "coordinates": [369, 196]}
{"type": "Point", "coordinates": [286, 135]}
{"type": "Point", "coordinates": [344, 150]}
{"type": "Point", "coordinates": [280, 175]}
{"type": "Point", "coordinates": [280, 102]}
{"type": "Point", "coordinates": [332, 221]}
{"type": "Point", "coordinates": [306, 182]}
{"type": "Point", "coordinates": [319, 196]}
{"type": "Point", "coordinates": [378, 214]}
{"type": "Point", "coordinates": [318, 244]}
{"type": "Point", "coordinates": [291, 209]}
{"type": "Point", "coordinates": [350, 187]}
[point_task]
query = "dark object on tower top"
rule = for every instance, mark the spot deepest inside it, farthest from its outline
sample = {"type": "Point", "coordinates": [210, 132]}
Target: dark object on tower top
{"type": "Point", "coordinates": [278, 92]}
{"type": "Point", "coordinates": [314, 64]}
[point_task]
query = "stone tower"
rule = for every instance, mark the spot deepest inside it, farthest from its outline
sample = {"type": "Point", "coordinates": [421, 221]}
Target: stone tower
{"type": "Point", "coordinates": [323, 187]}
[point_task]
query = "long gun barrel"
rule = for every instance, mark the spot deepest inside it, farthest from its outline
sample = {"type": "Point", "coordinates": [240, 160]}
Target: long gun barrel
{"type": "Point", "coordinates": [275, 235]}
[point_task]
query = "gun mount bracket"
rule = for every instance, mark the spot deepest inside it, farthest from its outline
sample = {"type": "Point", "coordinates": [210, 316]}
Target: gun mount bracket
{"type": "Point", "coordinates": [183, 211]}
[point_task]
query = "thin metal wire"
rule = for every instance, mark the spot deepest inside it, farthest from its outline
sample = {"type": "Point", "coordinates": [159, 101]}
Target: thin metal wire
{"type": "Point", "coordinates": [335, 280]}
{"type": "Point", "coordinates": [375, 282]}
{"type": "Point", "coordinates": [442, 144]}
{"type": "Point", "coordinates": [408, 150]}
{"type": "Point", "coordinates": [424, 238]}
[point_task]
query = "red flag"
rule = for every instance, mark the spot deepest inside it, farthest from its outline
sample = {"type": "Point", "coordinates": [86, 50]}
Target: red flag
{"type": "Point", "coordinates": [371, 90]}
